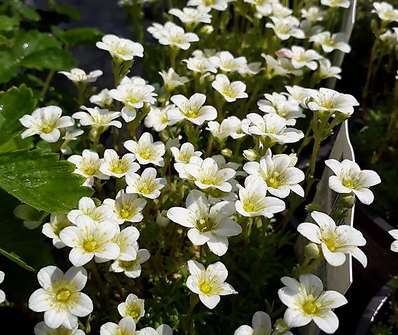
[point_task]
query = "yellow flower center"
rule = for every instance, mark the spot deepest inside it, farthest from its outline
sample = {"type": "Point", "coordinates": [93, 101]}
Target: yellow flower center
{"type": "Point", "coordinates": [349, 183]}
{"type": "Point", "coordinates": [310, 306]}
{"type": "Point", "coordinates": [127, 265]}
{"type": "Point", "coordinates": [90, 245]}
{"type": "Point", "coordinates": [47, 128]}
{"type": "Point", "coordinates": [331, 243]}
{"type": "Point", "coordinates": [63, 295]}
{"type": "Point", "coordinates": [119, 166]}
{"type": "Point", "coordinates": [249, 205]}
{"type": "Point", "coordinates": [274, 180]}
{"type": "Point", "coordinates": [146, 154]}
{"type": "Point", "coordinates": [208, 181]}
{"type": "Point", "coordinates": [228, 92]}
{"type": "Point", "coordinates": [89, 170]}
{"type": "Point", "coordinates": [146, 187]}
{"type": "Point", "coordinates": [204, 225]}
{"type": "Point", "coordinates": [205, 287]}
{"type": "Point", "coordinates": [134, 310]}
{"type": "Point", "coordinates": [125, 213]}
{"type": "Point", "coordinates": [192, 113]}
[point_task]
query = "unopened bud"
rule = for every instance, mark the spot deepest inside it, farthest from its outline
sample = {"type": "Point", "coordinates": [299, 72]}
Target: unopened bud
{"type": "Point", "coordinates": [250, 154]}
{"type": "Point", "coordinates": [311, 251]}
{"type": "Point", "coordinates": [226, 152]}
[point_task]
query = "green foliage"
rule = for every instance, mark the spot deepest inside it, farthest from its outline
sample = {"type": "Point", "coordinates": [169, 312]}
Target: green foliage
{"type": "Point", "coordinates": [14, 103]}
{"type": "Point", "coordinates": [41, 180]}
{"type": "Point", "coordinates": [77, 36]}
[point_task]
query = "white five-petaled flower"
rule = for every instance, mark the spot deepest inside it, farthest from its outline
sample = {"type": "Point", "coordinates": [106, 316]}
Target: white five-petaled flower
{"type": "Point", "coordinates": [53, 228]}
{"type": "Point", "coordinates": [307, 301]}
{"type": "Point", "coordinates": [231, 126]}
{"type": "Point", "coordinates": [336, 3]}
{"type": "Point", "coordinates": [326, 70]}
{"type": "Point", "coordinates": [219, 5]}
{"type": "Point", "coordinates": [190, 15]}
{"type": "Point", "coordinates": [46, 122]}
{"type": "Point", "coordinates": [279, 174]}
{"type": "Point", "coordinates": [261, 325]}
{"type": "Point", "coordinates": [132, 269]}
{"type": "Point", "coordinates": [159, 118]}
{"type": "Point", "coordinates": [133, 307]}
{"type": "Point", "coordinates": [88, 209]}
{"type": "Point", "coordinates": [114, 166]}
{"type": "Point", "coordinates": [103, 99]}
{"type": "Point", "coordinates": [271, 126]}
{"type": "Point", "coordinates": [228, 63]}
{"type": "Point", "coordinates": [146, 150]}
{"type": "Point", "coordinates": [192, 109]}
{"type": "Point", "coordinates": [146, 184]}
{"type": "Point", "coordinates": [126, 240]}
{"type": "Point", "coordinates": [172, 35]}
{"type": "Point", "coordinates": [301, 57]}
{"type": "Point", "coordinates": [208, 224]}
{"type": "Point", "coordinates": [172, 79]}
{"type": "Point", "coordinates": [2, 294]}
{"type": "Point", "coordinates": [209, 283]}
{"type": "Point", "coordinates": [201, 63]}
{"type": "Point", "coordinates": [60, 297]}
{"type": "Point", "coordinates": [285, 27]}
{"type": "Point", "coordinates": [88, 166]}
{"type": "Point", "coordinates": [42, 329]}
{"type": "Point", "coordinates": [282, 105]}
{"type": "Point", "coordinates": [97, 117]}
{"type": "Point", "coordinates": [300, 94]}
{"type": "Point", "coordinates": [349, 178]}
{"type": "Point", "coordinates": [229, 90]}
{"type": "Point", "coordinates": [89, 240]}
{"type": "Point", "coordinates": [386, 11]}
{"type": "Point", "coordinates": [335, 241]}
{"type": "Point", "coordinates": [253, 199]}
{"type": "Point", "coordinates": [126, 326]}
{"type": "Point", "coordinates": [329, 42]}
{"type": "Point", "coordinates": [208, 175]}
{"type": "Point", "coordinates": [126, 207]}
{"type": "Point", "coordinates": [313, 14]}
{"type": "Point", "coordinates": [394, 245]}
{"type": "Point", "coordinates": [80, 76]}
{"type": "Point", "coordinates": [121, 48]}
{"type": "Point", "coordinates": [326, 99]}
{"type": "Point", "coordinates": [184, 153]}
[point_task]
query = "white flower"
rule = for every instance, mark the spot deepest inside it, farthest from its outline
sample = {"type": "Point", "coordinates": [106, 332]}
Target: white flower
{"type": "Point", "coordinates": [326, 70]}
{"type": "Point", "coordinates": [133, 307]}
{"type": "Point", "coordinates": [146, 185]}
{"type": "Point", "coordinates": [89, 210]}
{"type": "Point", "coordinates": [60, 297]}
{"type": "Point", "coordinates": [228, 63]}
{"type": "Point", "coordinates": [120, 48]}
{"type": "Point", "coordinates": [281, 105]}
{"type": "Point", "coordinates": [261, 325]}
{"type": "Point", "coordinates": [200, 63]}
{"type": "Point", "coordinates": [126, 326]}
{"type": "Point", "coordinates": [192, 109]}
{"type": "Point", "coordinates": [184, 153]}
{"type": "Point", "coordinates": [146, 151]}
{"type": "Point", "coordinates": [229, 90]}
{"type": "Point", "coordinates": [330, 42]}
{"type": "Point", "coordinates": [54, 227]}
{"type": "Point", "coordinates": [173, 35]}
{"type": "Point", "coordinates": [271, 126]}
{"type": "Point", "coordinates": [88, 239]}
{"type": "Point", "coordinates": [209, 283]}
{"type": "Point", "coordinates": [278, 10]}
{"type": "Point", "coordinates": [80, 76]}
{"type": "Point", "coordinates": [312, 14]}
{"type": "Point", "coordinates": [192, 15]}
{"type": "Point", "coordinates": [336, 3]}
{"type": "Point", "coordinates": [88, 166]}
{"type": "Point", "coordinates": [300, 94]}
{"type": "Point", "coordinates": [279, 174]}
{"type": "Point", "coordinates": [253, 200]}
{"type": "Point", "coordinates": [307, 301]}
{"type": "Point", "coordinates": [2, 294]}
{"type": "Point", "coordinates": [326, 99]}
{"type": "Point", "coordinates": [46, 122]}
{"type": "Point", "coordinates": [132, 269]}
{"type": "Point", "coordinates": [133, 94]}
{"type": "Point", "coordinates": [394, 245]}
{"type": "Point", "coordinates": [219, 5]}
{"type": "Point", "coordinates": [117, 167]}
{"type": "Point", "coordinates": [208, 175]}
{"type": "Point", "coordinates": [103, 99]}
{"type": "Point", "coordinates": [212, 225]}
{"type": "Point", "coordinates": [385, 11]}
{"type": "Point", "coordinates": [285, 27]}
{"type": "Point", "coordinates": [263, 7]}
{"type": "Point", "coordinates": [126, 240]}
{"type": "Point", "coordinates": [97, 117]}
{"type": "Point", "coordinates": [164, 330]}
{"type": "Point", "coordinates": [126, 207]}
{"type": "Point", "coordinates": [172, 79]}
{"type": "Point", "coordinates": [335, 241]}
{"type": "Point", "coordinates": [231, 126]}
{"type": "Point", "coordinates": [42, 329]}
{"type": "Point", "coordinates": [300, 57]}
{"type": "Point", "coordinates": [350, 178]}
{"type": "Point", "coordinates": [159, 118]}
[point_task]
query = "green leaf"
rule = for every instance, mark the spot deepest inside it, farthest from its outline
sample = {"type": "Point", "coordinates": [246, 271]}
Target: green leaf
{"type": "Point", "coordinates": [16, 259]}
{"type": "Point", "coordinates": [25, 11]}
{"type": "Point", "coordinates": [51, 59]}
{"type": "Point", "coordinates": [8, 23]}
{"type": "Point", "coordinates": [8, 66]}
{"type": "Point", "coordinates": [69, 11]}
{"type": "Point", "coordinates": [77, 36]}
{"type": "Point", "coordinates": [41, 180]}
{"type": "Point", "coordinates": [14, 103]}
